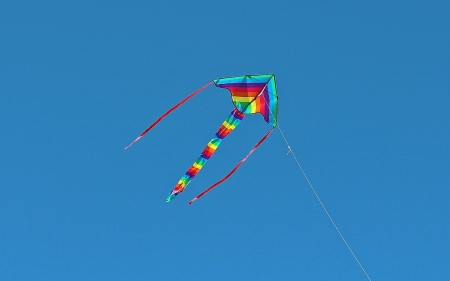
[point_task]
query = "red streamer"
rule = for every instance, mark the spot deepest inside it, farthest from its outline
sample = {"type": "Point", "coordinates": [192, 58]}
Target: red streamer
{"type": "Point", "coordinates": [167, 113]}
{"type": "Point", "coordinates": [234, 169]}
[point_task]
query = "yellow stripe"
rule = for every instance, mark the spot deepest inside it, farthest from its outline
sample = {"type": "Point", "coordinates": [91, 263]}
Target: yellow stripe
{"type": "Point", "coordinates": [230, 126]}
{"type": "Point", "coordinates": [251, 108]}
{"type": "Point", "coordinates": [211, 145]}
{"type": "Point", "coordinates": [243, 99]}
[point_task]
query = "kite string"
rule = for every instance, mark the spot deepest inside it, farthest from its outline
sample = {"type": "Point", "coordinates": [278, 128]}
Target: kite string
{"type": "Point", "coordinates": [317, 196]}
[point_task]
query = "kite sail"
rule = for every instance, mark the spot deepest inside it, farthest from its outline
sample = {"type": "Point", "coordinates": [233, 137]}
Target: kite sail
{"type": "Point", "coordinates": [250, 94]}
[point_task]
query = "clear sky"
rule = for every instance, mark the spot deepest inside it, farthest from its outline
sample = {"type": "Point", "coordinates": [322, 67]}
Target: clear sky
{"type": "Point", "coordinates": [364, 102]}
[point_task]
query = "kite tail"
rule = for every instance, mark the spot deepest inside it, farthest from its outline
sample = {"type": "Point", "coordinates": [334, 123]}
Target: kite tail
{"type": "Point", "coordinates": [232, 121]}
{"type": "Point", "coordinates": [234, 169]}
{"type": "Point", "coordinates": [167, 113]}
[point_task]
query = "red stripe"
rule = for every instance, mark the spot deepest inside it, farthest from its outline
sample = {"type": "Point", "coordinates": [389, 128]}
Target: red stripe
{"type": "Point", "coordinates": [178, 188]}
{"type": "Point", "coordinates": [167, 113]}
{"type": "Point", "coordinates": [208, 151]}
{"type": "Point", "coordinates": [245, 92]}
{"type": "Point", "coordinates": [234, 169]}
{"type": "Point", "coordinates": [193, 170]}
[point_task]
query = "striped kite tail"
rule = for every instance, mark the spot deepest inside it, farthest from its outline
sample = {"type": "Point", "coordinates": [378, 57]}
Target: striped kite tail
{"type": "Point", "coordinates": [232, 121]}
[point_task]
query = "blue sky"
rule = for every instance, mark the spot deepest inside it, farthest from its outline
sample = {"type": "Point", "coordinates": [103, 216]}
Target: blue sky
{"type": "Point", "coordinates": [364, 102]}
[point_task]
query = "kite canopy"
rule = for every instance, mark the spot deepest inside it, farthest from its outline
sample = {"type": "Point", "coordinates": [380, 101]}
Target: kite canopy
{"type": "Point", "coordinates": [253, 94]}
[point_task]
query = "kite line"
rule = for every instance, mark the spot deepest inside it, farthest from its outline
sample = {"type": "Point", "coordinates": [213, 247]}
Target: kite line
{"type": "Point", "coordinates": [256, 96]}
{"type": "Point", "coordinates": [318, 198]}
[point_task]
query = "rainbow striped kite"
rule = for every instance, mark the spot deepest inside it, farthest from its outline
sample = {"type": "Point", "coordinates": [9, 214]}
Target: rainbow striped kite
{"type": "Point", "coordinates": [250, 94]}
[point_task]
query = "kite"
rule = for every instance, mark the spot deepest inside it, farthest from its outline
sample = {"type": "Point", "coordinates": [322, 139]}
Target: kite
{"type": "Point", "coordinates": [250, 94]}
